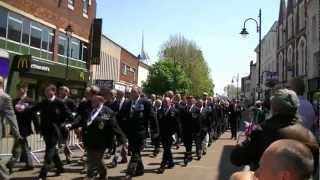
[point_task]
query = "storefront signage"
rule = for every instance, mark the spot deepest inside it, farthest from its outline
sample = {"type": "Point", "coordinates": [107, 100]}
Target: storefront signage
{"type": "Point", "coordinates": [21, 62]}
{"type": "Point", "coordinates": [105, 83]}
{"type": "Point", "coordinates": [40, 67]}
{"type": "Point", "coordinates": [4, 67]}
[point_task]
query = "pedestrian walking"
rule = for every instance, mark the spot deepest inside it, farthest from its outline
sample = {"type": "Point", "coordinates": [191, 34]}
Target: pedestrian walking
{"type": "Point", "coordinates": [22, 108]}
{"type": "Point", "coordinates": [53, 116]}
{"type": "Point", "coordinates": [64, 95]}
{"type": "Point", "coordinates": [167, 123]}
{"type": "Point", "coordinates": [137, 111]}
{"type": "Point", "coordinates": [100, 129]}
{"type": "Point", "coordinates": [7, 112]}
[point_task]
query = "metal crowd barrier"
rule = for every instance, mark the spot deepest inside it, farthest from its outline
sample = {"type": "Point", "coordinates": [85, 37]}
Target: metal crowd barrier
{"type": "Point", "coordinates": [36, 143]}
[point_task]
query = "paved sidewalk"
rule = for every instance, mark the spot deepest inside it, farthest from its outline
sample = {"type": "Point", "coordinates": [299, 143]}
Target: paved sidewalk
{"type": "Point", "coordinates": [214, 166]}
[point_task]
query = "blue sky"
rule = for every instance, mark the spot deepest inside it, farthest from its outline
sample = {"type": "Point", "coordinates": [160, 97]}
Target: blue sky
{"type": "Point", "coordinates": [214, 25]}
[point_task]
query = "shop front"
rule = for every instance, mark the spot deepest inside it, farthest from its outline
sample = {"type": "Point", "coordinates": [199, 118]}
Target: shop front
{"type": "Point", "coordinates": [38, 74]}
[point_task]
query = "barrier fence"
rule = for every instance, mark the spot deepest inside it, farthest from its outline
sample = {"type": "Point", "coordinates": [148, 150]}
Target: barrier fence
{"type": "Point", "coordinates": [36, 144]}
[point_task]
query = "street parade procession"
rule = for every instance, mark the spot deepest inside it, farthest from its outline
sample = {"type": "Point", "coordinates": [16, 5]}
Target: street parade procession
{"type": "Point", "coordinates": [81, 99]}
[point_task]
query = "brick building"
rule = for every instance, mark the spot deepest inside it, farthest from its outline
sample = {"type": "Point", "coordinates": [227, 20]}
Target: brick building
{"type": "Point", "coordinates": [129, 64]}
{"type": "Point", "coordinates": [37, 28]}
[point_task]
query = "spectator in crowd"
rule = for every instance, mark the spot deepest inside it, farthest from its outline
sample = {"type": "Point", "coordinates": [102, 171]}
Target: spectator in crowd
{"type": "Point", "coordinates": [305, 109]}
{"type": "Point", "coordinates": [283, 124]}
{"type": "Point", "coordinates": [283, 160]}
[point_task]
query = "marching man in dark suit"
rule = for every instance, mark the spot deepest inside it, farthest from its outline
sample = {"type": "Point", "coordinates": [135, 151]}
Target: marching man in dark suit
{"type": "Point", "coordinates": [167, 123]}
{"type": "Point", "coordinates": [187, 127]}
{"type": "Point", "coordinates": [53, 115]}
{"type": "Point", "coordinates": [22, 108]}
{"type": "Point", "coordinates": [138, 111]}
{"type": "Point", "coordinates": [64, 93]}
{"type": "Point", "coordinates": [100, 128]}
{"type": "Point", "coordinates": [7, 112]}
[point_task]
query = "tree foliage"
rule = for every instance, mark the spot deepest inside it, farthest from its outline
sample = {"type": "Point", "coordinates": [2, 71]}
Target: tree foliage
{"type": "Point", "coordinates": [189, 57]}
{"type": "Point", "coordinates": [165, 75]}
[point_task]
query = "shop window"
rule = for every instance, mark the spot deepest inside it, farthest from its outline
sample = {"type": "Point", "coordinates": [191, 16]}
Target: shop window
{"type": "Point", "coordinates": [35, 37]}
{"type": "Point", "coordinates": [26, 32]}
{"type": "Point", "coordinates": [3, 22]}
{"type": "Point", "coordinates": [14, 29]}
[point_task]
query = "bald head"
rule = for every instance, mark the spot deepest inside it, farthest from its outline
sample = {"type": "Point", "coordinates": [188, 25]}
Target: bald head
{"type": "Point", "coordinates": [288, 159]}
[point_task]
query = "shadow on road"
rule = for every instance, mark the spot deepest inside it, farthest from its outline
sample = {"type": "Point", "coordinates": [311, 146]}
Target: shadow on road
{"type": "Point", "coordinates": [226, 169]}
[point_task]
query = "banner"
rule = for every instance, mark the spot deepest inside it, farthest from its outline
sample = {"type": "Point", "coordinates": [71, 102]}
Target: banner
{"type": "Point", "coordinates": [96, 41]}
{"type": "Point", "coordinates": [4, 67]}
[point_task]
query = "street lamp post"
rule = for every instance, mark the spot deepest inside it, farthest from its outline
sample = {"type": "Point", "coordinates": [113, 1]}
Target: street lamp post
{"type": "Point", "coordinates": [69, 32]}
{"type": "Point", "coordinates": [244, 33]}
{"type": "Point", "coordinates": [237, 79]}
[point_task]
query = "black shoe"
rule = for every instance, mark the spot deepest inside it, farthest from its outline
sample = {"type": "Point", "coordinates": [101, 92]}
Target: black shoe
{"type": "Point", "coordinates": [27, 168]}
{"type": "Point", "coordinates": [42, 178]}
{"type": "Point", "coordinates": [10, 168]}
{"type": "Point", "coordinates": [59, 171]}
{"type": "Point", "coordinates": [171, 165]}
{"type": "Point", "coordinates": [161, 170]}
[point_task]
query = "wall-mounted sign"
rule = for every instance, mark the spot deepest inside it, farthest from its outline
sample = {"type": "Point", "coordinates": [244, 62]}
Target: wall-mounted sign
{"type": "Point", "coordinates": [4, 67]}
{"type": "Point", "coordinates": [21, 62]}
{"type": "Point", "coordinates": [40, 67]}
{"type": "Point", "coordinates": [105, 83]}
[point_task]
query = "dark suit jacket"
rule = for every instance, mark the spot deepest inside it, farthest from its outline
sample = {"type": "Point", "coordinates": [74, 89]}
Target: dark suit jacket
{"type": "Point", "coordinates": [167, 122]}
{"type": "Point", "coordinates": [99, 135]}
{"type": "Point", "coordinates": [25, 117]}
{"type": "Point", "coordinates": [53, 116]}
{"type": "Point", "coordinates": [137, 117]}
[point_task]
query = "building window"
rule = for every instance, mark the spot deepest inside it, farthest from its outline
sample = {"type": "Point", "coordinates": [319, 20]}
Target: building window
{"type": "Point", "coordinates": [84, 53]}
{"type": "Point", "coordinates": [51, 37]}
{"type": "Point", "coordinates": [290, 60]}
{"type": "Point", "coordinates": [75, 49]}
{"type": "Point", "coordinates": [35, 37]}
{"type": "Point", "coordinates": [26, 32]}
{"type": "Point", "coordinates": [45, 39]}
{"type": "Point", "coordinates": [14, 29]}
{"type": "Point", "coordinates": [302, 57]}
{"type": "Point", "coordinates": [62, 46]}
{"type": "Point", "coordinates": [124, 69]}
{"type": "Point", "coordinates": [85, 8]}
{"type": "Point", "coordinates": [314, 29]}
{"type": "Point", "coordinates": [3, 22]}
{"type": "Point", "coordinates": [301, 16]}
{"type": "Point", "coordinates": [71, 4]}
{"type": "Point", "coordinates": [280, 67]}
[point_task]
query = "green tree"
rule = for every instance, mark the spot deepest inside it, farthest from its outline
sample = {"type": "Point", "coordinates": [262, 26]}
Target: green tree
{"type": "Point", "coordinates": [186, 54]}
{"type": "Point", "coordinates": [165, 75]}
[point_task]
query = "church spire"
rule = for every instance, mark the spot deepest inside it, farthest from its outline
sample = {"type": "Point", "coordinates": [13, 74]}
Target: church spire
{"type": "Point", "coordinates": [143, 55]}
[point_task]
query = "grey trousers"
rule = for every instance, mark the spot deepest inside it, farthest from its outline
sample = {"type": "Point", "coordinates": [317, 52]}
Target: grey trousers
{"type": "Point", "coordinates": [3, 173]}
{"type": "Point", "coordinates": [95, 162]}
